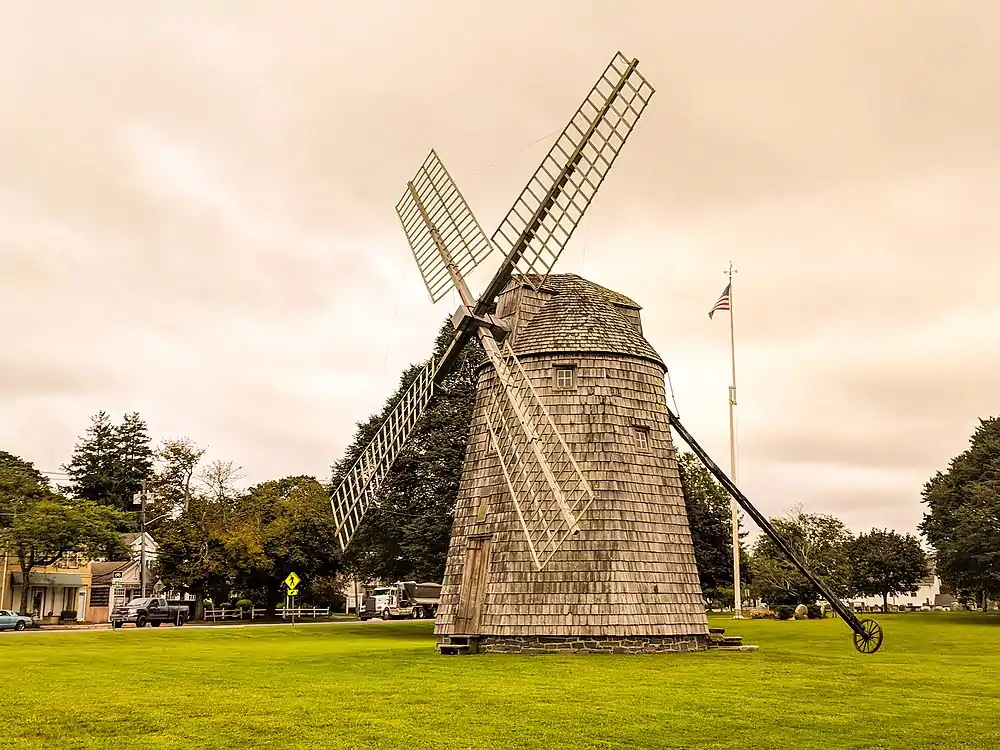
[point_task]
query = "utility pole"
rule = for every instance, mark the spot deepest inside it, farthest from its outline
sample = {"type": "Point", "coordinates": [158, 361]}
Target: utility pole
{"type": "Point", "coordinates": [142, 538]}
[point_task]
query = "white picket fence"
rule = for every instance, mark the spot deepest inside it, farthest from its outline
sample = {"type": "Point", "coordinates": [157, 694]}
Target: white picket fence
{"type": "Point", "coordinates": [305, 612]}
{"type": "Point", "coordinates": [217, 615]}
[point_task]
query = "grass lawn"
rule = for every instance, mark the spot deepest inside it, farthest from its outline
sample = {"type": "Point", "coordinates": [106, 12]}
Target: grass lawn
{"type": "Point", "coordinates": [934, 684]}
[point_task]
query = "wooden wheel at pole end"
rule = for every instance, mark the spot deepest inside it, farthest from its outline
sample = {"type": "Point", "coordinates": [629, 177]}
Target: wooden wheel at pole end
{"type": "Point", "coordinates": [869, 640]}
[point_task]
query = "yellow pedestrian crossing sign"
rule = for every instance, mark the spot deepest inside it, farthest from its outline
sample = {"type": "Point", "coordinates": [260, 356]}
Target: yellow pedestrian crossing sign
{"type": "Point", "coordinates": [292, 583]}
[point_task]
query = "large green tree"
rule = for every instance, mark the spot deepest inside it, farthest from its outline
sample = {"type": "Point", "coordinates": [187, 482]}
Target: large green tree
{"type": "Point", "coordinates": [885, 563]}
{"type": "Point", "coordinates": [709, 517]}
{"type": "Point", "coordinates": [406, 534]}
{"type": "Point", "coordinates": [962, 520]}
{"type": "Point", "coordinates": [40, 527]}
{"type": "Point", "coordinates": [285, 525]}
{"type": "Point", "coordinates": [821, 542]}
{"type": "Point", "coordinates": [192, 551]}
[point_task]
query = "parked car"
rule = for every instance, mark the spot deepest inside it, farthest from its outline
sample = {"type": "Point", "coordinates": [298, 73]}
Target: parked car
{"type": "Point", "coordinates": [152, 610]}
{"type": "Point", "coordinates": [10, 620]}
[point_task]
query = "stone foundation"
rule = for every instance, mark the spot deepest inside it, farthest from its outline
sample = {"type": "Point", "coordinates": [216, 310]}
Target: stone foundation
{"type": "Point", "coordinates": [610, 644]}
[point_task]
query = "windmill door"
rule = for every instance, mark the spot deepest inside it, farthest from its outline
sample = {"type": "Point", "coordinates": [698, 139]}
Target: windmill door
{"type": "Point", "coordinates": [470, 596]}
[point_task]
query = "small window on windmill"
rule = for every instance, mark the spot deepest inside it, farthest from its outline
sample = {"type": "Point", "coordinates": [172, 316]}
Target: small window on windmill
{"type": "Point", "coordinates": [564, 377]}
{"type": "Point", "coordinates": [642, 438]}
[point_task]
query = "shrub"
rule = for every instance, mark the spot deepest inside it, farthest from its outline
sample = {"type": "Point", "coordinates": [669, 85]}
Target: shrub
{"type": "Point", "coordinates": [815, 612]}
{"type": "Point", "coordinates": [784, 612]}
{"type": "Point", "coordinates": [244, 604]}
{"type": "Point", "coordinates": [67, 614]}
{"type": "Point", "coordinates": [761, 614]}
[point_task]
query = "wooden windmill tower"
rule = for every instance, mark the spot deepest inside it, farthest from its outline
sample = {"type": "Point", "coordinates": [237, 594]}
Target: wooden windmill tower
{"type": "Point", "coordinates": [570, 528]}
{"type": "Point", "coordinates": [570, 524]}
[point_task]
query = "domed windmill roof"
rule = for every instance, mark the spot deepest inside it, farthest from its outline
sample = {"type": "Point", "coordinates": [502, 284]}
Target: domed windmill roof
{"type": "Point", "coordinates": [581, 316]}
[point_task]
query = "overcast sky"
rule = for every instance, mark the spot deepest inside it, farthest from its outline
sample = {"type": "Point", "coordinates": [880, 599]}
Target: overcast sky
{"type": "Point", "coordinates": [196, 218]}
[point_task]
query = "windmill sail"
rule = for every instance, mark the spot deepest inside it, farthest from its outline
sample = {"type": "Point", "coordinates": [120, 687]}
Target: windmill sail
{"type": "Point", "coordinates": [547, 488]}
{"type": "Point", "coordinates": [449, 214]}
{"type": "Point", "coordinates": [536, 229]}
{"type": "Point", "coordinates": [357, 491]}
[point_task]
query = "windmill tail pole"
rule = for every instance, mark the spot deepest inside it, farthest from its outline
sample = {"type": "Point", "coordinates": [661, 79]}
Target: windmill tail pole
{"type": "Point", "coordinates": [765, 525]}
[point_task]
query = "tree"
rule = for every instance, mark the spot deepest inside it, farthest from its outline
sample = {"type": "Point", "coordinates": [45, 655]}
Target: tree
{"type": "Point", "coordinates": [285, 525]}
{"type": "Point", "coordinates": [885, 563]}
{"type": "Point", "coordinates": [110, 462]}
{"type": "Point", "coordinates": [92, 468]}
{"type": "Point", "coordinates": [406, 534]}
{"type": "Point", "coordinates": [962, 521]}
{"type": "Point", "coordinates": [41, 526]}
{"type": "Point", "coordinates": [133, 459]}
{"type": "Point", "coordinates": [709, 517]}
{"type": "Point", "coordinates": [821, 543]}
{"type": "Point", "coordinates": [192, 553]}
{"type": "Point", "coordinates": [178, 460]}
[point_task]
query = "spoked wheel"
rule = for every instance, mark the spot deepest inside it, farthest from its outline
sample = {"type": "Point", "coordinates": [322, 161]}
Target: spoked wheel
{"type": "Point", "coordinates": [869, 640]}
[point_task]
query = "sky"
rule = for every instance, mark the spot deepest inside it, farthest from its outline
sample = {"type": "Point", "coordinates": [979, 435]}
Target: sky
{"type": "Point", "coordinates": [197, 219]}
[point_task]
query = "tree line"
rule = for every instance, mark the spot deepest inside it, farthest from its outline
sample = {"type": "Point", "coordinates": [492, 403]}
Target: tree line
{"type": "Point", "coordinates": [223, 541]}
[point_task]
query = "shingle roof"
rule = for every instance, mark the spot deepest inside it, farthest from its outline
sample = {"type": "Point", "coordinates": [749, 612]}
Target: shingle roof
{"type": "Point", "coordinates": [560, 282]}
{"type": "Point", "coordinates": [101, 571]}
{"type": "Point", "coordinates": [583, 316]}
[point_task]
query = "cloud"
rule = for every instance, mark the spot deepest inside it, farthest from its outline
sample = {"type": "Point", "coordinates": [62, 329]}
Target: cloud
{"type": "Point", "coordinates": [196, 216]}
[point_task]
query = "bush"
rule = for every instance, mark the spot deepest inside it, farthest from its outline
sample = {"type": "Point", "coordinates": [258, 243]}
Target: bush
{"type": "Point", "coordinates": [67, 614]}
{"type": "Point", "coordinates": [784, 612]}
{"type": "Point", "coordinates": [244, 604]}
{"type": "Point", "coordinates": [815, 612]}
{"type": "Point", "coordinates": [761, 614]}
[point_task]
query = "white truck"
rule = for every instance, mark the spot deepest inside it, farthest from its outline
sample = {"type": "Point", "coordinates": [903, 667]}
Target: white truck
{"type": "Point", "coordinates": [402, 599]}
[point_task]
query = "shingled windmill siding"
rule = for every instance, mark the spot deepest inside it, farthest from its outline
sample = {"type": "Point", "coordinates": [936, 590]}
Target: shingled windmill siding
{"type": "Point", "coordinates": [629, 581]}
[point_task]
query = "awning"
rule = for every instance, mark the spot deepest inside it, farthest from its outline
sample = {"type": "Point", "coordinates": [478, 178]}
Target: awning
{"type": "Point", "coordinates": [49, 579]}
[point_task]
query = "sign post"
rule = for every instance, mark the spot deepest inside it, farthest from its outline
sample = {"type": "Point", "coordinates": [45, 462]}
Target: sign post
{"type": "Point", "coordinates": [292, 584]}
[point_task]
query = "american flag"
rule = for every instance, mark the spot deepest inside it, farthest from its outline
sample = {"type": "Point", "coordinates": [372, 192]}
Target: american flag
{"type": "Point", "coordinates": [723, 303]}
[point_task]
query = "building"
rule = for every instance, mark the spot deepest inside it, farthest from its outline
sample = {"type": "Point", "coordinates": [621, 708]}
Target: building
{"type": "Point", "coordinates": [134, 542]}
{"type": "Point", "coordinates": [930, 593]}
{"type": "Point", "coordinates": [82, 590]}
{"type": "Point", "coordinates": [57, 592]}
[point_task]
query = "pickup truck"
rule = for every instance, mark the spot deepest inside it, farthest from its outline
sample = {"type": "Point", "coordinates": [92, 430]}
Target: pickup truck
{"type": "Point", "coordinates": [152, 610]}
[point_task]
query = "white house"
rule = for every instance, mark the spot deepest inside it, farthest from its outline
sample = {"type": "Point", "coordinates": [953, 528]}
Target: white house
{"type": "Point", "coordinates": [134, 542]}
{"type": "Point", "coordinates": [928, 592]}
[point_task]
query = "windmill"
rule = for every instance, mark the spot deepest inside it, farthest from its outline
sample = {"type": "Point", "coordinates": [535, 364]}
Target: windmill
{"type": "Point", "coordinates": [550, 550]}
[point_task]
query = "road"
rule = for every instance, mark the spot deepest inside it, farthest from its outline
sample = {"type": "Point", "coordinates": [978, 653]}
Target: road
{"type": "Point", "coordinates": [228, 626]}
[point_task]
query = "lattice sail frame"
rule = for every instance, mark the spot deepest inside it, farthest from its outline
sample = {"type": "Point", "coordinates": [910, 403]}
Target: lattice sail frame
{"type": "Point", "coordinates": [532, 237]}
{"type": "Point", "coordinates": [541, 515]}
{"type": "Point", "coordinates": [451, 216]}
{"type": "Point", "coordinates": [357, 491]}
{"type": "Point", "coordinates": [557, 195]}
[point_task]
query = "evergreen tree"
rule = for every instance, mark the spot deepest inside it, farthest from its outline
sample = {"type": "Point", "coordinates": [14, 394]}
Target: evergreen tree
{"type": "Point", "coordinates": [133, 459]}
{"type": "Point", "coordinates": [92, 468]}
{"type": "Point", "coordinates": [710, 519]}
{"type": "Point", "coordinates": [406, 534]}
{"type": "Point", "coordinates": [110, 461]}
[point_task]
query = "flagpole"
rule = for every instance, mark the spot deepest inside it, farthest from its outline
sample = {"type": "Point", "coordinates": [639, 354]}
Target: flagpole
{"type": "Point", "coordinates": [734, 508]}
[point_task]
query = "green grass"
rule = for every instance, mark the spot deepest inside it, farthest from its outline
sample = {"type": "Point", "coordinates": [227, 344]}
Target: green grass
{"type": "Point", "coordinates": [936, 683]}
